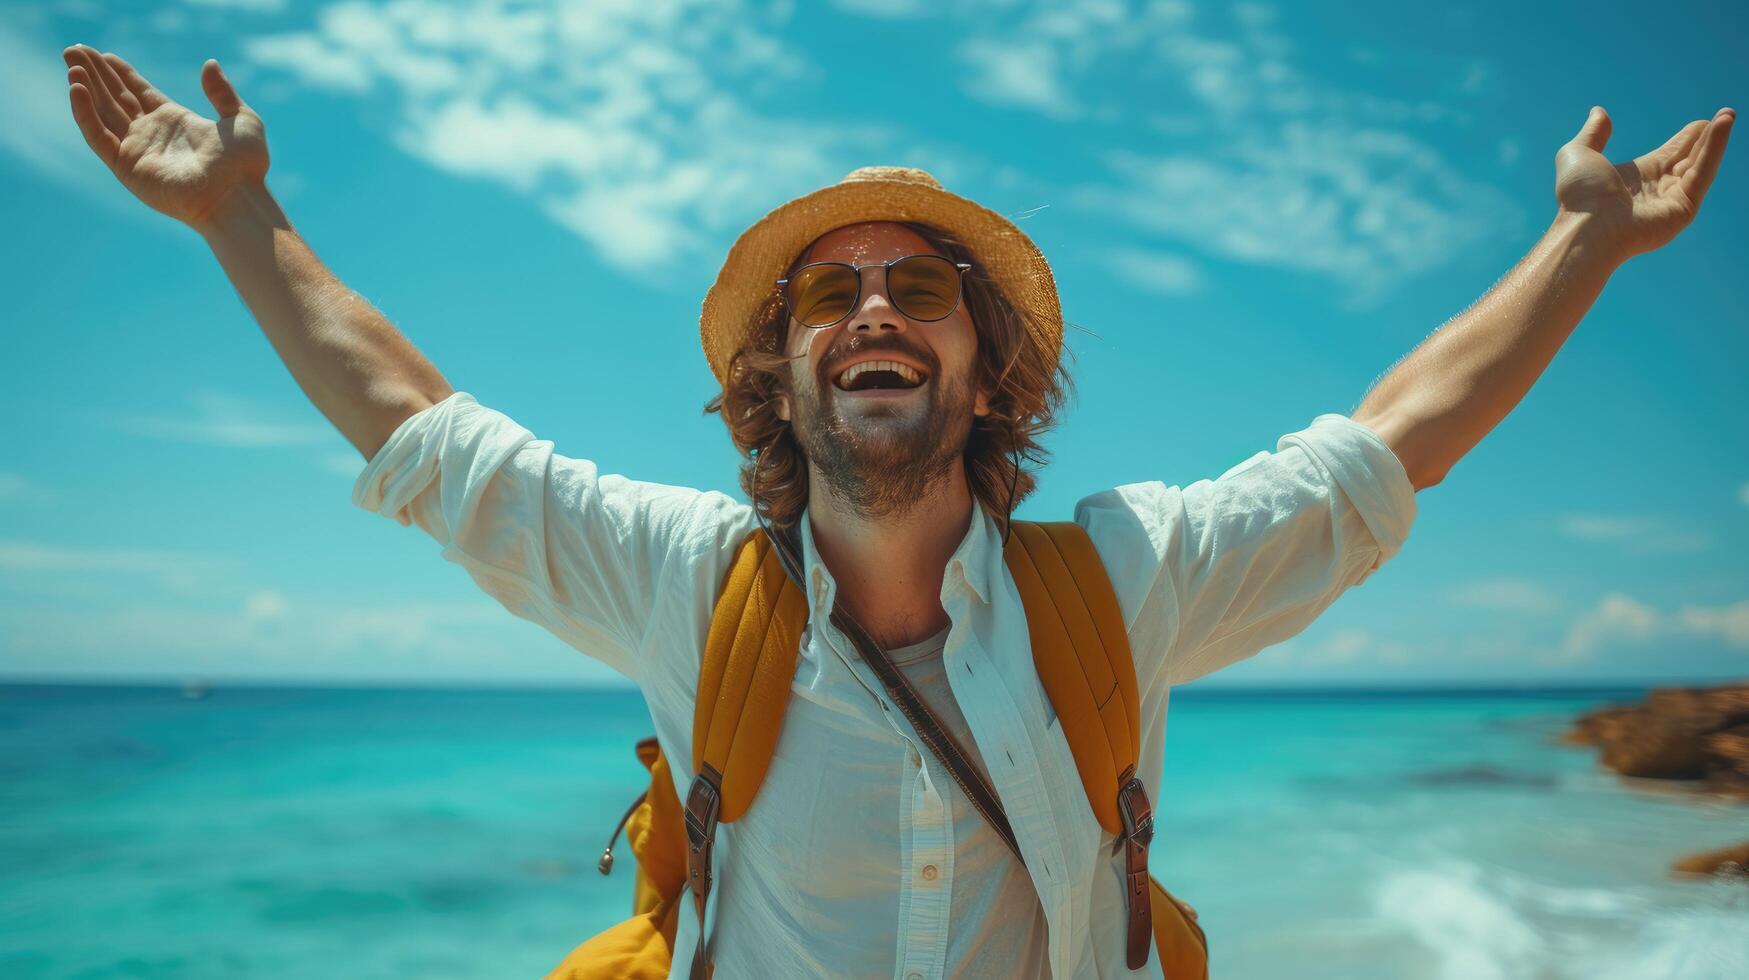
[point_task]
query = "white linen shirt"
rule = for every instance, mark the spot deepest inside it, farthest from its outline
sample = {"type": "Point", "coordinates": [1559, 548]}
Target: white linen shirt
{"type": "Point", "coordinates": [844, 865]}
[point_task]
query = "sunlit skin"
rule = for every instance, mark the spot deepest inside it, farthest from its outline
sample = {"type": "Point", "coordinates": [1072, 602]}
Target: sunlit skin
{"type": "Point", "coordinates": [888, 500]}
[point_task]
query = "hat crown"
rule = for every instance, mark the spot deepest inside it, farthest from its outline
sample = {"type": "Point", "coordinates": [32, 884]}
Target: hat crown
{"type": "Point", "coordinates": [903, 175]}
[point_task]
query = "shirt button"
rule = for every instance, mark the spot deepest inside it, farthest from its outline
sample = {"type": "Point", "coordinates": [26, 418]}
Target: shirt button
{"type": "Point", "coordinates": [929, 872]}
{"type": "Point", "coordinates": [913, 976]}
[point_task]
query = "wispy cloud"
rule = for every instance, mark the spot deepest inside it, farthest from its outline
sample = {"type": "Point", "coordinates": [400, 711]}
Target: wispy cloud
{"type": "Point", "coordinates": [1157, 272]}
{"type": "Point", "coordinates": [1743, 494]}
{"type": "Point", "coordinates": [221, 419]}
{"type": "Point", "coordinates": [1367, 207]}
{"type": "Point", "coordinates": [1621, 620]}
{"type": "Point", "coordinates": [346, 464]}
{"type": "Point", "coordinates": [178, 571]}
{"type": "Point", "coordinates": [631, 124]}
{"type": "Point", "coordinates": [1347, 646]}
{"type": "Point", "coordinates": [1506, 594]}
{"type": "Point", "coordinates": [1288, 169]}
{"type": "Point", "coordinates": [267, 633]}
{"type": "Point", "coordinates": [39, 129]}
{"type": "Point", "coordinates": [1636, 532]}
{"type": "Point", "coordinates": [252, 6]}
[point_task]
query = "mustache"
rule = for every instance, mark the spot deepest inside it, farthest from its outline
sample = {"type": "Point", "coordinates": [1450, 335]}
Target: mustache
{"type": "Point", "coordinates": [858, 347]}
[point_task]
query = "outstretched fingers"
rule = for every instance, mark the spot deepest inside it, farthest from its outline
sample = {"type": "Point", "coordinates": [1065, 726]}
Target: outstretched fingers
{"type": "Point", "coordinates": [97, 136]}
{"type": "Point", "coordinates": [82, 59]}
{"type": "Point", "coordinates": [1704, 162]}
{"type": "Point", "coordinates": [112, 82]}
{"type": "Point", "coordinates": [149, 97]}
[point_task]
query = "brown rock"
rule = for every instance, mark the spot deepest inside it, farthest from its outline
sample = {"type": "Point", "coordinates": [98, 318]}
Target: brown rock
{"type": "Point", "coordinates": [1731, 749]}
{"type": "Point", "coordinates": [1727, 861]}
{"type": "Point", "coordinates": [1685, 733]}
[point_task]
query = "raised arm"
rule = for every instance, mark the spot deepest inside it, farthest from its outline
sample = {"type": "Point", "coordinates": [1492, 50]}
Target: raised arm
{"type": "Point", "coordinates": [360, 372]}
{"type": "Point", "coordinates": [1452, 389]}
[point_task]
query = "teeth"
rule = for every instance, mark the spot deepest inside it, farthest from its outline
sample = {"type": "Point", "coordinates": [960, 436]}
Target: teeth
{"type": "Point", "coordinates": [902, 370]}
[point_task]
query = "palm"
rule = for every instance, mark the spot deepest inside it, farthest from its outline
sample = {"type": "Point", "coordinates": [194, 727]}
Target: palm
{"type": "Point", "coordinates": [1645, 202]}
{"type": "Point", "coordinates": [174, 160]}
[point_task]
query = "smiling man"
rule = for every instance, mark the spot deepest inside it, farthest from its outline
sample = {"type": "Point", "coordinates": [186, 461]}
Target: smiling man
{"type": "Point", "coordinates": [888, 351]}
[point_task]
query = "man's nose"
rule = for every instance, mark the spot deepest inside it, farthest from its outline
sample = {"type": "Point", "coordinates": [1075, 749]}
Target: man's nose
{"type": "Point", "coordinates": [876, 313]}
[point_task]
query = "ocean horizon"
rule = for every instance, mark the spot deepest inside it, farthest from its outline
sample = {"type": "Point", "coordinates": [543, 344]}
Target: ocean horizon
{"type": "Point", "coordinates": [258, 828]}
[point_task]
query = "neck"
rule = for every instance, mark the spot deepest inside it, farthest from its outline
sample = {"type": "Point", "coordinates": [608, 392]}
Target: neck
{"type": "Point", "coordinates": [889, 569]}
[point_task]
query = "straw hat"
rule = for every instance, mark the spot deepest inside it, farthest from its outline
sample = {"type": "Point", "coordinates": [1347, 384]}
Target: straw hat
{"type": "Point", "coordinates": [745, 284]}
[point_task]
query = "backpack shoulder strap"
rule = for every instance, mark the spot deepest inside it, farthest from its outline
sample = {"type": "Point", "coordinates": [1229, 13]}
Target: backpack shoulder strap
{"type": "Point", "coordinates": [744, 679]}
{"type": "Point", "coordinates": [743, 690]}
{"type": "Point", "coordinates": [1081, 650]}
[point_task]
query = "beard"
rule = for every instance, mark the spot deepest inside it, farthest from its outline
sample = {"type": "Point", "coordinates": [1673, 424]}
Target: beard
{"type": "Point", "coordinates": [882, 458]}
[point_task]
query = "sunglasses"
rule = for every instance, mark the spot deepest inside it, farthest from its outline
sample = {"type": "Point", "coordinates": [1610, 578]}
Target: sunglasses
{"type": "Point", "coordinates": [922, 287]}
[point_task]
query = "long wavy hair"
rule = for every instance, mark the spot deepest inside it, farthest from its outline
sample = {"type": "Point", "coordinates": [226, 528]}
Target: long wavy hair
{"type": "Point", "coordinates": [1028, 389]}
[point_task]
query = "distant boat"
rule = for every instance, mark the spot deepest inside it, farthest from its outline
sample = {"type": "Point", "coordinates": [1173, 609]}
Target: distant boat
{"type": "Point", "coordinates": [195, 690]}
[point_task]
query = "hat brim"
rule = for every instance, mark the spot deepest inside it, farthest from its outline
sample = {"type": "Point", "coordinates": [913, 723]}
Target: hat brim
{"type": "Point", "coordinates": [746, 284]}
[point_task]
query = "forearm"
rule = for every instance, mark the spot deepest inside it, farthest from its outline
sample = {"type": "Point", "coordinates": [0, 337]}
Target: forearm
{"type": "Point", "coordinates": [1438, 402]}
{"type": "Point", "coordinates": [360, 372]}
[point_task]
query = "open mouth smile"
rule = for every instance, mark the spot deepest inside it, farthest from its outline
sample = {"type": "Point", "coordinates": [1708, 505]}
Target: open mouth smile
{"type": "Point", "coordinates": [879, 377]}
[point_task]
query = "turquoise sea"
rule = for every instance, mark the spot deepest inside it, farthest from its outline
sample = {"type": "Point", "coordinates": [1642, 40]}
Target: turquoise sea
{"type": "Point", "coordinates": [312, 832]}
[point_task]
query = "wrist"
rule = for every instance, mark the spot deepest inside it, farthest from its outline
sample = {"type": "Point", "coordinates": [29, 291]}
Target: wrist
{"type": "Point", "coordinates": [1596, 241]}
{"type": "Point", "coordinates": [245, 207]}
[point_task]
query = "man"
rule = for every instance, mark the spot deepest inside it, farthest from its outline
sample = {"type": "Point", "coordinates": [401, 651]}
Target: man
{"type": "Point", "coordinates": [886, 400]}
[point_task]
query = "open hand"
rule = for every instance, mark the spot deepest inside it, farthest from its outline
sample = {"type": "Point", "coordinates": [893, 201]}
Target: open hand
{"type": "Point", "coordinates": [1642, 204]}
{"type": "Point", "coordinates": [176, 161]}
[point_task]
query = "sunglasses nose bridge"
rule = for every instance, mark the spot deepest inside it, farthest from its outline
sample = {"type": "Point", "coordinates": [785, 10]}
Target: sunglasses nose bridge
{"type": "Point", "coordinates": [865, 290]}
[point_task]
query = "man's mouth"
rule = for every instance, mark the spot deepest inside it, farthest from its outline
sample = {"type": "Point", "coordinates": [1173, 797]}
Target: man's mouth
{"type": "Point", "coordinates": [878, 375]}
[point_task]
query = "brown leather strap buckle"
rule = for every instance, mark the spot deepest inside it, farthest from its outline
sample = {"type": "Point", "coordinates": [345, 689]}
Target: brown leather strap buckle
{"type": "Point", "coordinates": [704, 802]}
{"type": "Point", "coordinates": [1137, 812]}
{"type": "Point", "coordinates": [1138, 832]}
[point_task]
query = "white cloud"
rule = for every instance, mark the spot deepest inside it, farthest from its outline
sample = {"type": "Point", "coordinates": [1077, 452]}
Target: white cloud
{"type": "Point", "coordinates": [1507, 594]}
{"type": "Point", "coordinates": [1280, 167]}
{"type": "Point", "coordinates": [1638, 533]}
{"type": "Point", "coordinates": [1018, 74]}
{"type": "Point", "coordinates": [220, 419]}
{"type": "Point", "coordinates": [1620, 620]}
{"type": "Point", "coordinates": [249, 6]}
{"type": "Point", "coordinates": [1727, 623]}
{"type": "Point", "coordinates": [39, 130]}
{"type": "Point", "coordinates": [316, 63]}
{"type": "Point", "coordinates": [267, 634]}
{"type": "Point", "coordinates": [1368, 207]}
{"type": "Point", "coordinates": [1342, 647]}
{"type": "Point", "coordinates": [630, 123]}
{"type": "Point", "coordinates": [347, 464]}
{"type": "Point", "coordinates": [1158, 272]}
{"type": "Point", "coordinates": [1616, 619]}
{"type": "Point", "coordinates": [179, 571]}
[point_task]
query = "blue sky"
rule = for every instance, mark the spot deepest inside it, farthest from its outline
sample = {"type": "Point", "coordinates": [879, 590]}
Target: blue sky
{"type": "Point", "coordinates": [1252, 211]}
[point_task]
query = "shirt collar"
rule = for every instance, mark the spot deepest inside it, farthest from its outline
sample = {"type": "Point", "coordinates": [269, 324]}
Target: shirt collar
{"type": "Point", "coordinates": [978, 550]}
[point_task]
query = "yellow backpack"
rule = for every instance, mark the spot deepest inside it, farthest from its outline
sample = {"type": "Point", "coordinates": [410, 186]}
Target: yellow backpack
{"type": "Point", "coordinates": [1079, 646]}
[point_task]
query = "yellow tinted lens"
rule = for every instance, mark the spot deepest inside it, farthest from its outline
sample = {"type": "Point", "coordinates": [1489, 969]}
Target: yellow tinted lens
{"type": "Point", "coordinates": [822, 294]}
{"type": "Point", "coordinates": [924, 287]}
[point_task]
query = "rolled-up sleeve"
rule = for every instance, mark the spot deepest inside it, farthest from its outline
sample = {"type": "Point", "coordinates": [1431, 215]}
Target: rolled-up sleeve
{"type": "Point", "coordinates": [1246, 560]}
{"type": "Point", "coordinates": [578, 553]}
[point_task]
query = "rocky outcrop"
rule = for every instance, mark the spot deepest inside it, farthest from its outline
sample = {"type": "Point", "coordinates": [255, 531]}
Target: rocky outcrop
{"type": "Point", "coordinates": [1727, 861]}
{"type": "Point", "coordinates": [1699, 735]}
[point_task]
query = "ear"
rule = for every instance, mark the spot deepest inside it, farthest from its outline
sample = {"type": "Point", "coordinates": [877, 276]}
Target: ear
{"type": "Point", "coordinates": [981, 403]}
{"type": "Point", "coordinates": [783, 407]}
